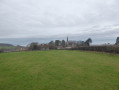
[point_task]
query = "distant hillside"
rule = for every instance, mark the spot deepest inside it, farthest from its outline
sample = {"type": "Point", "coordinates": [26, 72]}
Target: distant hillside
{"type": "Point", "coordinates": [6, 45]}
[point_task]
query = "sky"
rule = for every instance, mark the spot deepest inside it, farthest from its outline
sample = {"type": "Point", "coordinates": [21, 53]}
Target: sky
{"type": "Point", "coordinates": [78, 19]}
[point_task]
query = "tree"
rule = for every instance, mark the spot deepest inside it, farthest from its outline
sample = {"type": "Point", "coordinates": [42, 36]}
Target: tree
{"type": "Point", "coordinates": [88, 41]}
{"type": "Point", "coordinates": [81, 43]}
{"type": "Point", "coordinates": [34, 46]}
{"type": "Point", "coordinates": [117, 41]}
{"type": "Point", "coordinates": [63, 43]}
{"type": "Point", "coordinates": [57, 42]}
{"type": "Point", "coordinates": [52, 45]}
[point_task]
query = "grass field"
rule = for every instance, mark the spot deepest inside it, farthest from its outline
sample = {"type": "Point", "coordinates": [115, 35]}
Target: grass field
{"type": "Point", "coordinates": [59, 70]}
{"type": "Point", "coordinates": [7, 47]}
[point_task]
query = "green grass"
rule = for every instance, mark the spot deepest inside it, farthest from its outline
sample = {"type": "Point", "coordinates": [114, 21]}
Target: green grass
{"type": "Point", "coordinates": [59, 70]}
{"type": "Point", "coordinates": [7, 47]}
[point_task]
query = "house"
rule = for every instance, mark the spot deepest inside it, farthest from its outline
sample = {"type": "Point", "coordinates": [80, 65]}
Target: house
{"type": "Point", "coordinates": [60, 47]}
{"type": "Point", "coordinates": [20, 48]}
{"type": "Point", "coordinates": [44, 47]}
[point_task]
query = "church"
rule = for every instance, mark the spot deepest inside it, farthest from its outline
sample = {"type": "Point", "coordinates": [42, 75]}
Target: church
{"type": "Point", "coordinates": [70, 44]}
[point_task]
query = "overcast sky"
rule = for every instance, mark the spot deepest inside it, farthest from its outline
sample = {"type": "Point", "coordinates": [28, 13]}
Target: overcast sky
{"type": "Point", "coordinates": [98, 19]}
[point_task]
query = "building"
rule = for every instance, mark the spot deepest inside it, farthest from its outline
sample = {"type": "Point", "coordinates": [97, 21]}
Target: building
{"type": "Point", "coordinates": [44, 47]}
{"type": "Point", "coordinates": [67, 43]}
{"type": "Point", "coordinates": [70, 44]}
{"type": "Point", "coordinates": [60, 47]}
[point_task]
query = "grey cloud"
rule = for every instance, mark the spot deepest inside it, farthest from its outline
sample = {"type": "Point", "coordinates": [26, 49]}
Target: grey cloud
{"type": "Point", "coordinates": [41, 18]}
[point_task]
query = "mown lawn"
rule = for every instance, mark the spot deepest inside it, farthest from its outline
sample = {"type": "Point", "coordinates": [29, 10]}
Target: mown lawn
{"type": "Point", "coordinates": [59, 70]}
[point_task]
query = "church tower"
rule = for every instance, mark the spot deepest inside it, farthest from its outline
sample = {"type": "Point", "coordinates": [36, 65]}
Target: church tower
{"type": "Point", "coordinates": [67, 38]}
{"type": "Point", "coordinates": [67, 42]}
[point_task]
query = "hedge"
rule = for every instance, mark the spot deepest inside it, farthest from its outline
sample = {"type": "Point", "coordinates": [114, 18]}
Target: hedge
{"type": "Point", "coordinates": [109, 49]}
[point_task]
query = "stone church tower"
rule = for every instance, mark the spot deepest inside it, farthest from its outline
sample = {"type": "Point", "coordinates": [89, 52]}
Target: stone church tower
{"type": "Point", "coordinates": [67, 43]}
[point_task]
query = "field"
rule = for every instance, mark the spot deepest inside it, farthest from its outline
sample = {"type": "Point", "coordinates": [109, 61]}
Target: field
{"type": "Point", "coordinates": [7, 47]}
{"type": "Point", "coordinates": [59, 70]}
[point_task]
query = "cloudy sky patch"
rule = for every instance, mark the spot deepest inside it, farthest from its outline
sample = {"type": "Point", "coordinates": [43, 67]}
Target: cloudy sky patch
{"type": "Point", "coordinates": [48, 18]}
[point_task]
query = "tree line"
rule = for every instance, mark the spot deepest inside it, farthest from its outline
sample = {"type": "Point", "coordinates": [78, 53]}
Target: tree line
{"type": "Point", "coordinates": [56, 43]}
